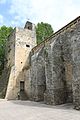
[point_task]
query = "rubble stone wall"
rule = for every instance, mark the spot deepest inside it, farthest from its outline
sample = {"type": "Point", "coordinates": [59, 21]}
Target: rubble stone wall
{"type": "Point", "coordinates": [61, 67]}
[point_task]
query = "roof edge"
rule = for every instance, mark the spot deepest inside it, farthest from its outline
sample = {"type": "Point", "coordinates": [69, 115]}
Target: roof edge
{"type": "Point", "coordinates": [75, 21]}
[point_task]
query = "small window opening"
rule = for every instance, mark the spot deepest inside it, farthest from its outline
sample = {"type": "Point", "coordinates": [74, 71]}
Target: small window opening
{"type": "Point", "coordinates": [21, 62]}
{"type": "Point", "coordinates": [28, 27]}
{"type": "Point", "coordinates": [21, 85]}
{"type": "Point", "coordinates": [27, 45]}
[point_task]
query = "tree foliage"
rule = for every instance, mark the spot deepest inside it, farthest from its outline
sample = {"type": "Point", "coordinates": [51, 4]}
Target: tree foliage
{"type": "Point", "coordinates": [43, 30]}
{"type": "Point", "coordinates": [4, 32]}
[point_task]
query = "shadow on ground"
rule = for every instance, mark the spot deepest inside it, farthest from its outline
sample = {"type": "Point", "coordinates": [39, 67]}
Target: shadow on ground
{"type": "Point", "coordinates": [42, 104]}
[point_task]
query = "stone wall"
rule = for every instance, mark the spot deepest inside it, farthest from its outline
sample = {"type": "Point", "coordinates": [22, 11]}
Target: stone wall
{"type": "Point", "coordinates": [9, 62]}
{"type": "Point", "coordinates": [37, 72]}
{"type": "Point", "coordinates": [55, 76]}
{"type": "Point", "coordinates": [76, 66]}
{"type": "Point", "coordinates": [61, 66]}
{"type": "Point", "coordinates": [24, 41]}
{"type": "Point", "coordinates": [4, 82]}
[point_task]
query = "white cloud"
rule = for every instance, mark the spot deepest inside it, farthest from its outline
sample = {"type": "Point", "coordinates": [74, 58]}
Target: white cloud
{"type": "Point", "coordinates": [1, 20]}
{"type": "Point", "coordinates": [14, 23]}
{"type": "Point", "coordinates": [57, 13]}
{"type": "Point", "coordinates": [2, 1]}
{"type": "Point", "coordinates": [21, 11]}
{"type": "Point", "coordinates": [16, 20]}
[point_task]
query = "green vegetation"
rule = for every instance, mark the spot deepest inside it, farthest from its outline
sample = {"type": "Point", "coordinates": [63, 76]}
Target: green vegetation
{"type": "Point", "coordinates": [43, 30]}
{"type": "Point", "coordinates": [4, 32]}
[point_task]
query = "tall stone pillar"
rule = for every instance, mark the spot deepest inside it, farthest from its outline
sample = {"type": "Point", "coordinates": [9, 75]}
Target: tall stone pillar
{"type": "Point", "coordinates": [55, 91]}
{"type": "Point", "coordinates": [37, 84]}
{"type": "Point", "coordinates": [76, 69]}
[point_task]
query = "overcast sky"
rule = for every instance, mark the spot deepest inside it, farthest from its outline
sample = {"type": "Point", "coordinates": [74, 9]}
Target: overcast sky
{"type": "Point", "coordinates": [55, 12]}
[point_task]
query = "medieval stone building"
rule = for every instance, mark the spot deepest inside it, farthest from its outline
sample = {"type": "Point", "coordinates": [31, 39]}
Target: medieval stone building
{"type": "Point", "coordinates": [49, 72]}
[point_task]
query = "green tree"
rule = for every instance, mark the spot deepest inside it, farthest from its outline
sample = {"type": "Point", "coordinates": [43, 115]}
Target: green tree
{"type": "Point", "coordinates": [4, 32]}
{"type": "Point", "coordinates": [43, 30]}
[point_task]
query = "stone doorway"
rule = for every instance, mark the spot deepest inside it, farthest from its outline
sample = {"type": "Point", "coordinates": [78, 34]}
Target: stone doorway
{"type": "Point", "coordinates": [21, 85]}
{"type": "Point", "coordinates": [23, 95]}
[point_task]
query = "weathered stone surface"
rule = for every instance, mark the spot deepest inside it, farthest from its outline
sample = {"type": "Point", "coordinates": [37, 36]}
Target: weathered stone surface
{"type": "Point", "coordinates": [38, 80]}
{"type": "Point", "coordinates": [62, 69]}
{"type": "Point", "coordinates": [55, 89]}
{"type": "Point", "coordinates": [76, 66]}
{"type": "Point", "coordinates": [4, 82]}
{"type": "Point", "coordinates": [20, 42]}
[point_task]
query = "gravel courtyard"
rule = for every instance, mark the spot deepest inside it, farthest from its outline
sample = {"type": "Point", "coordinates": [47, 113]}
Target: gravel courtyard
{"type": "Point", "coordinates": [27, 110]}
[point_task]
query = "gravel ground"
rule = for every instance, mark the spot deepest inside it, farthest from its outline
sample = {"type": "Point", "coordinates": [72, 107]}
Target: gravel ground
{"type": "Point", "coordinates": [27, 110]}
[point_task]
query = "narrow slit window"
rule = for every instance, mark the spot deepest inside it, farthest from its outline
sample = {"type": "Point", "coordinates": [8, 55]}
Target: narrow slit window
{"type": "Point", "coordinates": [21, 85]}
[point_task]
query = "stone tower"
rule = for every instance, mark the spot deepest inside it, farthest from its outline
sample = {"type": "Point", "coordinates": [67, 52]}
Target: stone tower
{"type": "Point", "coordinates": [19, 45]}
